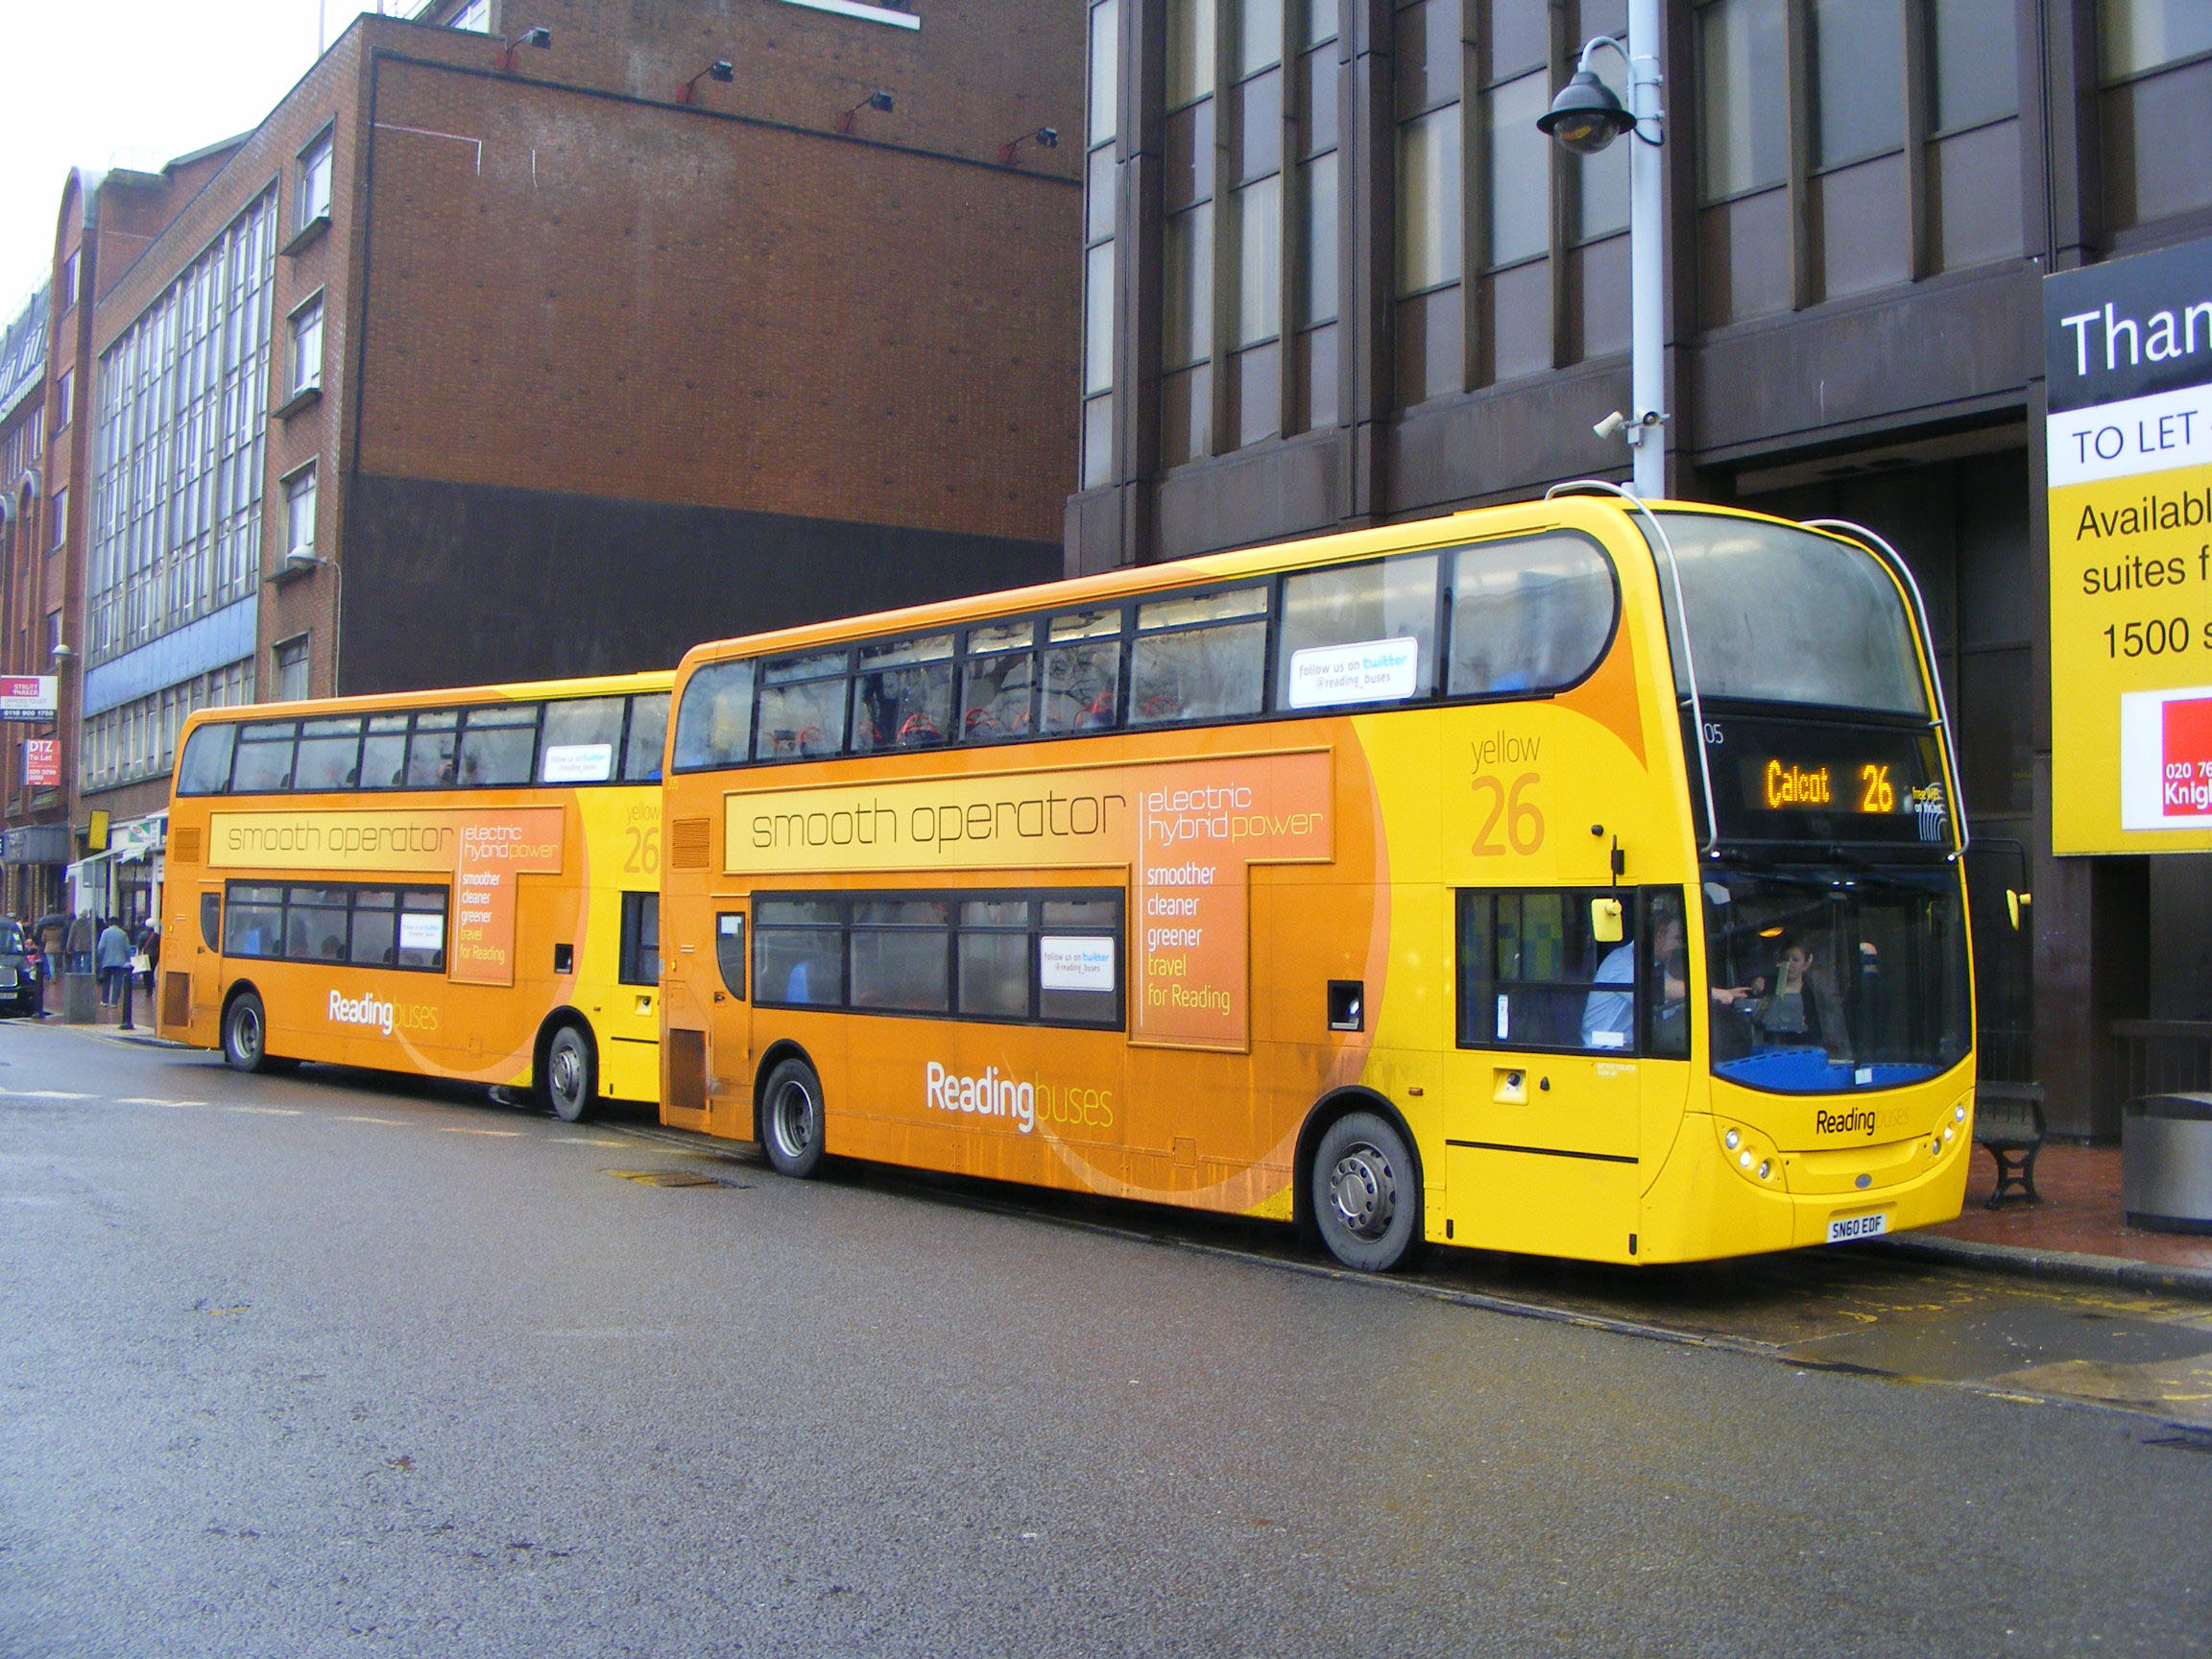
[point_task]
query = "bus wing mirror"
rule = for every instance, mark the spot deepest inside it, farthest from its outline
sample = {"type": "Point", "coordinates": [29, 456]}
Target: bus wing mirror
{"type": "Point", "coordinates": [1605, 921]}
{"type": "Point", "coordinates": [2014, 903]}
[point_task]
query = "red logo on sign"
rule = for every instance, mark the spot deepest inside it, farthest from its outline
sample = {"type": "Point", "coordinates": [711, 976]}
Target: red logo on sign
{"type": "Point", "coordinates": [2187, 779]}
{"type": "Point", "coordinates": [42, 764]}
{"type": "Point", "coordinates": [18, 687]}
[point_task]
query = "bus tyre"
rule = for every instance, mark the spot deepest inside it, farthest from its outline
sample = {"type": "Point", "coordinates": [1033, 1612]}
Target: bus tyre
{"type": "Point", "coordinates": [1366, 1194]}
{"type": "Point", "coordinates": [791, 1120]}
{"type": "Point", "coordinates": [246, 1034]}
{"type": "Point", "coordinates": [571, 1075]}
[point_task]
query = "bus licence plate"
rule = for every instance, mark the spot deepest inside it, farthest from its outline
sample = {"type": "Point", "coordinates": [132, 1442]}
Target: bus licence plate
{"type": "Point", "coordinates": [1851, 1227]}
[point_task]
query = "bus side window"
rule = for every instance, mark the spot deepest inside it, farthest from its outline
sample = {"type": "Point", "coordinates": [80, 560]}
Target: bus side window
{"type": "Point", "coordinates": [211, 920]}
{"type": "Point", "coordinates": [1196, 659]}
{"type": "Point", "coordinates": [730, 951]}
{"type": "Point", "coordinates": [1082, 671]}
{"type": "Point", "coordinates": [1530, 614]}
{"type": "Point", "coordinates": [640, 958]}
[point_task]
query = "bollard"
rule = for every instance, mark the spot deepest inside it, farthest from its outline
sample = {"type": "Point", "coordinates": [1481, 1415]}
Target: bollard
{"type": "Point", "coordinates": [130, 981]}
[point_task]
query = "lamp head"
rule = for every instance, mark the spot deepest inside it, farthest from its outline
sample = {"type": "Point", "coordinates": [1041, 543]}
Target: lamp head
{"type": "Point", "coordinates": [721, 69]}
{"type": "Point", "coordinates": [1586, 116]}
{"type": "Point", "coordinates": [539, 37]}
{"type": "Point", "coordinates": [880, 101]}
{"type": "Point", "coordinates": [1048, 137]}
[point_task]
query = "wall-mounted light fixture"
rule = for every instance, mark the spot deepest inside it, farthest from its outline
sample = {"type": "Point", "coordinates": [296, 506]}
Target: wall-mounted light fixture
{"type": "Point", "coordinates": [874, 100]}
{"type": "Point", "coordinates": [721, 69]}
{"type": "Point", "coordinates": [540, 38]}
{"type": "Point", "coordinates": [1044, 139]}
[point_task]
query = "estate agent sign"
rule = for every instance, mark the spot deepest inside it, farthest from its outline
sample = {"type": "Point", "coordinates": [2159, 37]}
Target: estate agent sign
{"type": "Point", "coordinates": [2128, 352]}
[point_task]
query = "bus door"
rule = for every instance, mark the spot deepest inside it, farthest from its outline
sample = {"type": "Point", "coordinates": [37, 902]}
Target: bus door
{"type": "Point", "coordinates": [729, 1025]}
{"type": "Point", "coordinates": [1543, 1101]}
{"type": "Point", "coordinates": [206, 957]}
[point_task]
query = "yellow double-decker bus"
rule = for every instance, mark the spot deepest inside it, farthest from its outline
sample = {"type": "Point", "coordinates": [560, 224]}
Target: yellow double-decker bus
{"type": "Point", "coordinates": [460, 884]}
{"type": "Point", "coordinates": [1569, 877]}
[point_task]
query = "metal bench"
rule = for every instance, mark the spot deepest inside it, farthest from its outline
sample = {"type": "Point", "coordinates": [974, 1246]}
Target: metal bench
{"type": "Point", "coordinates": [2008, 1120]}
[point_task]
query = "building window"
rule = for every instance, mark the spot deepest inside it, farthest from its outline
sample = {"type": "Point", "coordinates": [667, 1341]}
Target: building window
{"type": "Point", "coordinates": [1254, 370]}
{"type": "Point", "coordinates": [1101, 175]}
{"type": "Point", "coordinates": [2154, 60]}
{"type": "Point", "coordinates": [178, 421]}
{"type": "Point", "coordinates": [477, 15]}
{"type": "Point", "coordinates": [1517, 280]}
{"type": "Point", "coordinates": [57, 521]}
{"type": "Point", "coordinates": [291, 657]}
{"type": "Point", "coordinates": [1974, 140]}
{"type": "Point", "coordinates": [1431, 357]}
{"type": "Point", "coordinates": [1188, 295]}
{"type": "Point", "coordinates": [299, 514]}
{"type": "Point", "coordinates": [314, 181]}
{"type": "Point", "coordinates": [52, 633]}
{"type": "Point", "coordinates": [1314, 227]}
{"type": "Point", "coordinates": [72, 276]}
{"type": "Point", "coordinates": [64, 397]}
{"type": "Point", "coordinates": [306, 354]}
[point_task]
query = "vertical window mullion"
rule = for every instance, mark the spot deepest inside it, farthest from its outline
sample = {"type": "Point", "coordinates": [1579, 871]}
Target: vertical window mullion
{"type": "Point", "coordinates": [1798, 51]}
{"type": "Point", "coordinates": [1565, 175]}
{"type": "Point", "coordinates": [1228, 249]}
{"type": "Point", "coordinates": [1476, 316]}
{"type": "Point", "coordinates": [1920, 251]}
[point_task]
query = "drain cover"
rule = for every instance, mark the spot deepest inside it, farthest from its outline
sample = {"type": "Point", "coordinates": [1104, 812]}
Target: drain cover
{"type": "Point", "coordinates": [664, 1177]}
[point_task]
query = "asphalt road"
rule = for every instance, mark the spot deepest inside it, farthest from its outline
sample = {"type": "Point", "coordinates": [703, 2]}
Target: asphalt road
{"type": "Point", "coordinates": [325, 1365]}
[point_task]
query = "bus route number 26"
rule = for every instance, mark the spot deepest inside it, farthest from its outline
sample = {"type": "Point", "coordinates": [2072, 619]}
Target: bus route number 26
{"type": "Point", "coordinates": [1507, 808]}
{"type": "Point", "coordinates": [641, 851]}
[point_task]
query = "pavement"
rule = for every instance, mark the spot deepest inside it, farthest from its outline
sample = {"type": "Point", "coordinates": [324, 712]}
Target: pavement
{"type": "Point", "coordinates": [2077, 1231]}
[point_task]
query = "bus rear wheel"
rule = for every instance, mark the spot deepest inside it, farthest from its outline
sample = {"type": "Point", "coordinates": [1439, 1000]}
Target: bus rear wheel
{"type": "Point", "coordinates": [571, 1075]}
{"type": "Point", "coordinates": [791, 1120]}
{"type": "Point", "coordinates": [1366, 1194]}
{"type": "Point", "coordinates": [246, 1034]}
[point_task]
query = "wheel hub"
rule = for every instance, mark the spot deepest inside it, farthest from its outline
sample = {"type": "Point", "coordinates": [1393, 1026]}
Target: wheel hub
{"type": "Point", "coordinates": [794, 1118]}
{"type": "Point", "coordinates": [566, 1073]}
{"type": "Point", "coordinates": [1364, 1189]}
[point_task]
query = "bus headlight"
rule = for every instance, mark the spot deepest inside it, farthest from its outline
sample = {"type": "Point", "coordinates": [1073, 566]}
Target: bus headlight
{"type": "Point", "coordinates": [1958, 1115]}
{"type": "Point", "coordinates": [1732, 1140]}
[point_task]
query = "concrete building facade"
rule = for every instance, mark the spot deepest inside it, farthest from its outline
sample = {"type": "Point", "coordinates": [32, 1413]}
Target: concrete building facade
{"type": "Point", "coordinates": [1335, 275]}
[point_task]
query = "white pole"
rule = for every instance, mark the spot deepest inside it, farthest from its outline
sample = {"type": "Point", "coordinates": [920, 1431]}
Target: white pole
{"type": "Point", "coordinates": [1646, 257]}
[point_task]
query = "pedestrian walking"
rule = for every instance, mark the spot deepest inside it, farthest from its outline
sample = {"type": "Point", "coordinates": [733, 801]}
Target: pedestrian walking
{"type": "Point", "coordinates": [51, 927]}
{"type": "Point", "coordinates": [77, 946]}
{"type": "Point", "coordinates": [114, 954]}
{"type": "Point", "coordinates": [150, 948]}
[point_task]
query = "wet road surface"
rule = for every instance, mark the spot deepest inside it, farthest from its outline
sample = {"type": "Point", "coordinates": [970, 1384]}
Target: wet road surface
{"type": "Point", "coordinates": [324, 1363]}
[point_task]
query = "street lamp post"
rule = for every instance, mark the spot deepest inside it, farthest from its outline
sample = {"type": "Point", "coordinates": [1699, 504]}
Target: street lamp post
{"type": "Point", "coordinates": [1586, 117]}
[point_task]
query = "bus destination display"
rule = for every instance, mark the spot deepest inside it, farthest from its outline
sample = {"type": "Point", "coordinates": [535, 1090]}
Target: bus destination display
{"type": "Point", "coordinates": [1796, 780]}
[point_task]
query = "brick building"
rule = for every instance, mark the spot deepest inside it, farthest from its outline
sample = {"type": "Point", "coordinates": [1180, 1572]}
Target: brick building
{"type": "Point", "coordinates": [36, 844]}
{"type": "Point", "coordinates": [1334, 275]}
{"type": "Point", "coordinates": [524, 339]}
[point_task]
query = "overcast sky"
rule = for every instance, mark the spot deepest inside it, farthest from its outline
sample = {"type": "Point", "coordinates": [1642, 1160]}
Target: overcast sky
{"type": "Point", "coordinates": [133, 84]}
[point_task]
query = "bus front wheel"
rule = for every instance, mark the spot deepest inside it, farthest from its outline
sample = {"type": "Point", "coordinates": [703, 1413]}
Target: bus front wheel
{"type": "Point", "coordinates": [246, 1034]}
{"type": "Point", "coordinates": [791, 1120]}
{"type": "Point", "coordinates": [1366, 1194]}
{"type": "Point", "coordinates": [571, 1075]}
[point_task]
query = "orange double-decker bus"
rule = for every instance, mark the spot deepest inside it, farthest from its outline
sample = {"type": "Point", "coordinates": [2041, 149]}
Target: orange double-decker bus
{"type": "Point", "coordinates": [458, 885]}
{"type": "Point", "coordinates": [1574, 877]}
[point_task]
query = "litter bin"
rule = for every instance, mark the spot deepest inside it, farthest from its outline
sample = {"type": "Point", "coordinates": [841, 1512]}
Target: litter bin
{"type": "Point", "coordinates": [2166, 1163]}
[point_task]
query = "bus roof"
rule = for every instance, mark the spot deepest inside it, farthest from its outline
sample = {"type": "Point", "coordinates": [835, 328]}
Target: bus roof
{"type": "Point", "coordinates": [601, 686]}
{"type": "Point", "coordinates": [1580, 510]}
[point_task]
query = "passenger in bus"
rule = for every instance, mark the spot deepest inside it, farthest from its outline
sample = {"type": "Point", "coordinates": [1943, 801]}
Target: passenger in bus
{"type": "Point", "coordinates": [1800, 1011]}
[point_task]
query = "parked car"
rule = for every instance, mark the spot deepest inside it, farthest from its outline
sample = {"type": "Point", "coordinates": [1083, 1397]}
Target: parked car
{"type": "Point", "coordinates": [22, 970]}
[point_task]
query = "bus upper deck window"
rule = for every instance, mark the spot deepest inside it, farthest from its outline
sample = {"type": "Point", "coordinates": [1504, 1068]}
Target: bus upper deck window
{"type": "Point", "coordinates": [498, 745]}
{"type": "Point", "coordinates": [329, 754]}
{"type": "Point", "coordinates": [1199, 658]}
{"type": "Point", "coordinates": [1358, 634]}
{"type": "Point", "coordinates": [903, 694]}
{"type": "Point", "coordinates": [714, 727]}
{"type": "Point", "coordinates": [205, 769]}
{"type": "Point", "coordinates": [996, 680]}
{"type": "Point", "coordinates": [384, 753]}
{"type": "Point", "coordinates": [1082, 671]}
{"type": "Point", "coordinates": [430, 754]}
{"type": "Point", "coordinates": [801, 705]}
{"type": "Point", "coordinates": [264, 760]}
{"type": "Point", "coordinates": [1530, 614]}
{"type": "Point", "coordinates": [648, 735]}
{"type": "Point", "coordinates": [582, 735]}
